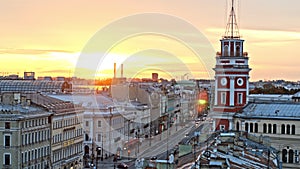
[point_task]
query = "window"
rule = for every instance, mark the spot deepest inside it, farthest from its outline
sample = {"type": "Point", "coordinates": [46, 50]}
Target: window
{"type": "Point", "coordinates": [256, 127]}
{"type": "Point", "coordinates": [264, 128]}
{"type": "Point", "coordinates": [238, 51]}
{"type": "Point", "coordinates": [291, 156]}
{"type": "Point", "coordinates": [293, 130]}
{"type": "Point", "coordinates": [99, 123]}
{"type": "Point", "coordinates": [251, 127]}
{"type": "Point", "coordinates": [7, 125]}
{"type": "Point", "coordinates": [282, 129]}
{"type": "Point", "coordinates": [222, 127]}
{"type": "Point", "coordinates": [99, 137]}
{"type": "Point", "coordinates": [237, 126]}
{"type": "Point", "coordinates": [6, 140]}
{"type": "Point", "coordinates": [86, 123]}
{"type": "Point", "coordinates": [288, 128]}
{"type": "Point", "coordinates": [87, 137]}
{"type": "Point", "coordinates": [223, 98]}
{"type": "Point", "coordinates": [226, 50]}
{"type": "Point", "coordinates": [284, 155]}
{"type": "Point", "coordinates": [274, 128]}
{"type": "Point", "coordinates": [269, 128]}
{"type": "Point", "coordinates": [240, 98]}
{"type": "Point", "coordinates": [6, 160]}
{"type": "Point", "coordinates": [246, 127]}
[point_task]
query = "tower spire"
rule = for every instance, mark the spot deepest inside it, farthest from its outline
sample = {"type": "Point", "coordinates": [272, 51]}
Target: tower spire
{"type": "Point", "coordinates": [232, 30]}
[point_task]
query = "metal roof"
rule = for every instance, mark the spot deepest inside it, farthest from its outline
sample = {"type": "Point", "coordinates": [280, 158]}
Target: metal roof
{"type": "Point", "coordinates": [279, 110]}
{"type": "Point", "coordinates": [31, 85]}
{"type": "Point", "coordinates": [88, 101]}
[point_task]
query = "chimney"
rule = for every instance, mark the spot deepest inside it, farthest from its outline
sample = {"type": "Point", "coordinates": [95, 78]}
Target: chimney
{"type": "Point", "coordinates": [121, 70]}
{"type": "Point", "coordinates": [115, 70]}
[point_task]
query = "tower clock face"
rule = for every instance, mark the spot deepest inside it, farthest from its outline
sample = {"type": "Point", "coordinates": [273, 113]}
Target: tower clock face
{"type": "Point", "coordinates": [223, 81]}
{"type": "Point", "coordinates": [240, 81]}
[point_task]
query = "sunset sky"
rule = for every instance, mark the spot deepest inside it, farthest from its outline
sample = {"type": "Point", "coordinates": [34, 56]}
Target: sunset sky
{"type": "Point", "coordinates": [50, 37]}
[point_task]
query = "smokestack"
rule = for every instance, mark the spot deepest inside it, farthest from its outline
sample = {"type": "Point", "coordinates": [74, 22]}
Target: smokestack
{"type": "Point", "coordinates": [115, 70]}
{"type": "Point", "coordinates": [121, 70]}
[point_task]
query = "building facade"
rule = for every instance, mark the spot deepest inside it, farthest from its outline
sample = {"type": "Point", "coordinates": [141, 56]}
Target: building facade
{"type": "Point", "coordinates": [25, 130]}
{"type": "Point", "coordinates": [66, 143]}
{"type": "Point", "coordinates": [279, 121]}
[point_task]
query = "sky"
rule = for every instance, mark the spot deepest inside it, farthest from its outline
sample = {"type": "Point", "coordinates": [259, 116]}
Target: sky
{"type": "Point", "coordinates": [177, 39]}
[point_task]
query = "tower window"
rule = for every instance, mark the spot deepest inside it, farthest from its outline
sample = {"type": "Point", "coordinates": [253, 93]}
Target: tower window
{"type": "Point", "coordinates": [226, 50]}
{"type": "Point", "coordinates": [238, 51]}
{"type": "Point", "coordinates": [223, 98]}
{"type": "Point", "coordinates": [240, 98]}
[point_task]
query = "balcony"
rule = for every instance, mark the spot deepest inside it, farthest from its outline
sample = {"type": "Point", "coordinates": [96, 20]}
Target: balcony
{"type": "Point", "coordinates": [244, 54]}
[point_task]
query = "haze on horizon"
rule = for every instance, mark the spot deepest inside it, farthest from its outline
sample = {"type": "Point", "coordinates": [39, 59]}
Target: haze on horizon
{"type": "Point", "coordinates": [48, 36]}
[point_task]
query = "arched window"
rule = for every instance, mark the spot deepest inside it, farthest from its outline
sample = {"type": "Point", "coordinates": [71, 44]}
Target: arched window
{"type": "Point", "coordinates": [251, 127]}
{"type": "Point", "coordinates": [282, 129]}
{"type": "Point", "coordinates": [87, 137]}
{"type": "Point", "coordinates": [237, 51]}
{"type": "Point", "coordinates": [226, 50]}
{"type": "Point", "coordinates": [291, 156]}
{"type": "Point", "coordinates": [256, 128]}
{"type": "Point", "coordinates": [293, 130]}
{"type": "Point", "coordinates": [264, 128]}
{"type": "Point", "coordinates": [274, 128]}
{"type": "Point", "coordinates": [246, 127]}
{"type": "Point", "coordinates": [269, 128]}
{"type": "Point", "coordinates": [288, 129]}
{"type": "Point", "coordinates": [237, 126]}
{"type": "Point", "coordinates": [284, 156]}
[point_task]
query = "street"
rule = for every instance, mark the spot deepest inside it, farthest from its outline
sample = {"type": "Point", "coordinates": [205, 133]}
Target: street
{"type": "Point", "coordinates": [161, 145]}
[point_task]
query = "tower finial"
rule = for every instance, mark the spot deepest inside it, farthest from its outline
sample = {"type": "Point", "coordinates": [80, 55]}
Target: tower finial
{"type": "Point", "coordinates": [232, 30]}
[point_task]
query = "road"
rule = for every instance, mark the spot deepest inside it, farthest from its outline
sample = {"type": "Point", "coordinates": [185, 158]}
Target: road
{"type": "Point", "coordinates": [162, 144]}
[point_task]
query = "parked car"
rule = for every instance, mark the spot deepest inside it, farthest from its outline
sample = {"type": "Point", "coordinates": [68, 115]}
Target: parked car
{"type": "Point", "coordinates": [122, 165]}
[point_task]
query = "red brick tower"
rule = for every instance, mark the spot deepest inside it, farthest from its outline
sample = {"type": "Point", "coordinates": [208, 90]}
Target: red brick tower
{"type": "Point", "coordinates": [231, 76]}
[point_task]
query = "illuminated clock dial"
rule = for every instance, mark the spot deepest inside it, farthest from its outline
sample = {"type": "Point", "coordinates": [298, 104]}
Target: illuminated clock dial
{"type": "Point", "coordinates": [240, 81]}
{"type": "Point", "coordinates": [223, 81]}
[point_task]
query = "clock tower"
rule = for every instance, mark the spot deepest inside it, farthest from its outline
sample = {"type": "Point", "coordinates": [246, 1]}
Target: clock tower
{"type": "Point", "coordinates": [231, 76]}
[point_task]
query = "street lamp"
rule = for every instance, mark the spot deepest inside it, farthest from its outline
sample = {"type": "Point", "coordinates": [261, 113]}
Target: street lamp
{"type": "Point", "coordinates": [138, 137]}
{"type": "Point", "coordinates": [110, 123]}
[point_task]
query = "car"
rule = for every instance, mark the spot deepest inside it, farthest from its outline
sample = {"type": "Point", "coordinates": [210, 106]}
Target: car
{"type": "Point", "coordinates": [153, 158]}
{"type": "Point", "coordinates": [122, 165]}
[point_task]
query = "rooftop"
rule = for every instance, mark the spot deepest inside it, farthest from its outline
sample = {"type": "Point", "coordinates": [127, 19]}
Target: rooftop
{"type": "Point", "coordinates": [280, 110]}
{"type": "Point", "coordinates": [19, 112]}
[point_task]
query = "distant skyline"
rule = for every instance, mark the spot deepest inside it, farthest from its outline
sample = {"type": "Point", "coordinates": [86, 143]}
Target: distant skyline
{"type": "Point", "coordinates": [48, 36]}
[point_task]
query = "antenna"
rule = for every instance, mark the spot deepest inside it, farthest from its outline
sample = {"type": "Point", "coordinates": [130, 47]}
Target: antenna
{"type": "Point", "coordinates": [232, 31]}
